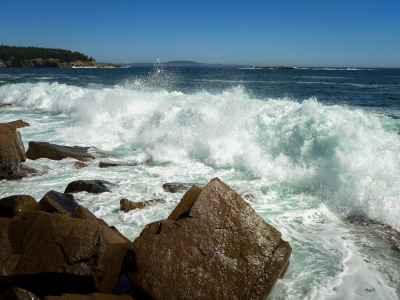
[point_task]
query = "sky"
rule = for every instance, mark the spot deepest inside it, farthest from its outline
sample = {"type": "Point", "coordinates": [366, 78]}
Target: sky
{"type": "Point", "coordinates": [302, 33]}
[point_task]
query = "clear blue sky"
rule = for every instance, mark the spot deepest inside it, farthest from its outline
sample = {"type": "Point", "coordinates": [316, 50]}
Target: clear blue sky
{"type": "Point", "coordinates": [286, 32]}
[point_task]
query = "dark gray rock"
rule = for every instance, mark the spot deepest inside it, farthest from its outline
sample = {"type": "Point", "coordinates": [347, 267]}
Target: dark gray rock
{"type": "Point", "coordinates": [55, 202]}
{"type": "Point", "coordinates": [90, 186]}
{"type": "Point", "coordinates": [17, 293]}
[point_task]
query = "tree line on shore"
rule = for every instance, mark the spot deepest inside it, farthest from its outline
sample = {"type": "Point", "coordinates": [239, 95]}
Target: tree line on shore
{"type": "Point", "coordinates": [19, 53]}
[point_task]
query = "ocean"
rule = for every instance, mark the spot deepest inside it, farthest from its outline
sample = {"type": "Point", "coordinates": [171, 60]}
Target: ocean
{"type": "Point", "coordinates": [315, 151]}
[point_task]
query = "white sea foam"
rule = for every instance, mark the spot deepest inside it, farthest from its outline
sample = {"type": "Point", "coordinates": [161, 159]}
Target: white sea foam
{"type": "Point", "coordinates": [345, 157]}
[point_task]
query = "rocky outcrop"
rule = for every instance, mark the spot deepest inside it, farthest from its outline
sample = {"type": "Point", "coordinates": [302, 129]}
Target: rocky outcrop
{"type": "Point", "coordinates": [20, 123]}
{"type": "Point", "coordinates": [12, 151]}
{"type": "Point", "coordinates": [126, 205]}
{"type": "Point", "coordinates": [55, 63]}
{"type": "Point", "coordinates": [17, 204]}
{"type": "Point", "coordinates": [212, 246]}
{"type": "Point", "coordinates": [38, 150]}
{"type": "Point", "coordinates": [52, 254]}
{"type": "Point", "coordinates": [176, 187]}
{"type": "Point", "coordinates": [5, 105]}
{"type": "Point", "coordinates": [90, 186]}
{"type": "Point", "coordinates": [55, 202]}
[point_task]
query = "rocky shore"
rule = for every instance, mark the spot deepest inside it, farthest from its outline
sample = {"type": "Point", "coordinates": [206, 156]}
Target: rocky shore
{"type": "Point", "coordinates": [213, 245]}
{"type": "Point", "coordinates": [55, 63]}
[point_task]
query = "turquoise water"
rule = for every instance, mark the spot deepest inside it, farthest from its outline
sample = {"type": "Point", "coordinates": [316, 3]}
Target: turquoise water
{"type": "Point", "coordinates": [309, 149]}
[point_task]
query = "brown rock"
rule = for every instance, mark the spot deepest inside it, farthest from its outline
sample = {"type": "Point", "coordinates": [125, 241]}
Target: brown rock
{"type": "Point", "coordinates": [38, 150]}
{"type": "Point", "coordinates": [93, 296]}
{"type": "Point", "coordinates": [219, 248]}
{"type": "Point", "coordinates": [12, 151]}
{"type": "Point", "coordinates": [176, 187]}
{"type": "Point", "coordinates": [127, 205]}
{"type": "Point", "coordinates": [83, 213]}
{"type": "Point", "coordinates": [52, 254]}
{"type": "Point", "coordinates": [4, 105]}
{"type": "Point", "coordinates": [90, 186]}
{"type": "Point", "coordinates": [80, 165]}
{"type": "Point", "coordinates": [17, 204]}
{"type": "Point", "coordinates": [17, 293]}
{"type": "Point", "coordinates": [55, 202]}
{"type": "Point", "coordinates": [20, 123]}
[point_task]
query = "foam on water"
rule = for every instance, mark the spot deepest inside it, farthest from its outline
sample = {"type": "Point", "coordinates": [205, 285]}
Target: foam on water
{"type": "Point", "coordinates": [305, 165]}
{"type": "Point", "coordinates": [345, 157]}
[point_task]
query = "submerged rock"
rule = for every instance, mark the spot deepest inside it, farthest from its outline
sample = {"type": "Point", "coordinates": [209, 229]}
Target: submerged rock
{"type": "Point", "coordinates": [90, 186]}
{"type": "Point", "coordinates": [17, 204]}
{"type": "Point", "coordinates": [5, 105]}
{"type": "Point", "coordinates": [52, 254]}
{"type": "Point", "coordinates": [212, 246]}
{"type": "Point", "coordinates": [59, 203]}
{"type": "Point", "coordinates": [127, 205]}
{"type": "Point", "coordinates": [38, 150]}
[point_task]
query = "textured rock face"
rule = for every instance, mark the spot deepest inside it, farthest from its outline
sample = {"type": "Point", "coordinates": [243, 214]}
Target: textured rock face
{"type": "Point", "coordinates": [12, 151]}
{"type": "Point", "coordinates": [38, 150]}
{"type": "Point", "coordinates": [93, 296]}
{"type": "Point", "coordinates": [52, 254]}
{"type": "Point", "coordinates": [127, 205]}
{"type": "Point", "coordinates": [17, 204]}
{"type": "Point", "coordinates": [90, 186]}
{"type": "Point", "coordinates": [17, 294]}
{"type": "Point", "coordinates": [55, 202]}
{"type": "Point", "coordinates": [212, 246]}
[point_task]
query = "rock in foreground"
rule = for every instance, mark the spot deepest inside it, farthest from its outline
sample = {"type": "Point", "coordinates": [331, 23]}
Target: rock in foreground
{"type": "Point", "coordinates": [12, 151]}
{"type": "Point", "coordinates": [38, 150]}
{"type": "Point", "coordinates": [52, 254]}
{"type": "Point", "coordinates": [212, 246]}
{"type": "Point", "coordinates": [17, 204]}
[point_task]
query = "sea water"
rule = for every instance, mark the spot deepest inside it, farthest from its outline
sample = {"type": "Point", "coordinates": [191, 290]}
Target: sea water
{"type": "Point", "coordinates": [316, 153]}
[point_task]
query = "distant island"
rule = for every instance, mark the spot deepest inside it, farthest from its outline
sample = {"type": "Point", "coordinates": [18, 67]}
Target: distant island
{"type": "Point", "coordinates": [37, 57]}
{"type": "Point", "coordinates": [178, 63]}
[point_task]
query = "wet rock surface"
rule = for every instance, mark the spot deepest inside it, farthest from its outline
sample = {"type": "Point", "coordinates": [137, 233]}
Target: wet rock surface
{"type": "Point", "coordinates": [12, 151]}
{"type": "Point", "coordinates": [52, 254]}
{"type": "Point", "coordinates": [17, 293]}
{"type": "Point", "coordinates": [177, 187]}
{"type": "Point", "coordinates": [90, 186]}
{"type": "Point", "coordinates": [59, 203]}
{"type": "Point", "coordinates": [17, 204]}
{"type": "Point", "coordinates": [212, 246]}
{"type": "Point", "coordinates": [127, 205]}
{"type": "Point", "coordinates": [38, 150]}
{"type": "Point", "coordinates": [20, 123]}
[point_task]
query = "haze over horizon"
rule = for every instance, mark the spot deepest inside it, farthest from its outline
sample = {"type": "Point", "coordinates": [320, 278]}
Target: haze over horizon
{"type": "Point", "coordinates": [294, 33]}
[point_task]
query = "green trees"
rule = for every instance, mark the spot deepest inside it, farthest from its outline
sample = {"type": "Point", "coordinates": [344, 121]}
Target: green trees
{"type": "Point", "coordinates": [14, 53]}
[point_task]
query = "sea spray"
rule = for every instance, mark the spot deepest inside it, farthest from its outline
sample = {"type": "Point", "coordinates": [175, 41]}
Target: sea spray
{"type": "Point", "coordinates": [343, 156]}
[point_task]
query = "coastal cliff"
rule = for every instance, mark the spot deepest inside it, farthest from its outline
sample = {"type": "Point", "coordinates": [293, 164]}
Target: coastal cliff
{"type": "Point", "coordinates": [55, 63]}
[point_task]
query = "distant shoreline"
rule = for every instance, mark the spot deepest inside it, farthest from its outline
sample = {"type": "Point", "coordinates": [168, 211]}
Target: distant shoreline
{"type": "Point", "coordinates": [55, 63]}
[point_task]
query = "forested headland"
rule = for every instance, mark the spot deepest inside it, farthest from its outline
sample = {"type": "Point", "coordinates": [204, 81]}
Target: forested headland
{"type": "Point", "coordinates": [38, 57]}
{"type": "Point", "coordinates": [18, 53]}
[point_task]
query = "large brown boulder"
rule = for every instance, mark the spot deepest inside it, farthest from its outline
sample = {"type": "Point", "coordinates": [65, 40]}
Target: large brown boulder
{"type": "Point", "coordinates": [12, 151]}
{"type": "Point", "coordinates": [20, 124]}
{"type": "Point", "coordinates": [17, 204]}
{"type": "Point", "coordinates": [52, 254]}
{"type": "Point", "coordinates": [212, 246]}
{"type": "Point", "coordinates": [55, 202]}
{"type": "Point", "coordinates": [38, 150]}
